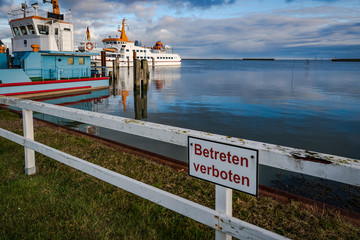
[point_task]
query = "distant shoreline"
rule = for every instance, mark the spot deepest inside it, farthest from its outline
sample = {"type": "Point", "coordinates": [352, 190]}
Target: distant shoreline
{"type": "Point", "coordinates": [345, 59]}
{"type": "Point", "coordinates": [233, 59]}
{"type": "Point", "coordinates": [280, 59]}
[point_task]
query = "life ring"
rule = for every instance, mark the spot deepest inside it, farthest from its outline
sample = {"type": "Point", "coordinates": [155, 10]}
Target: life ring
{"type": "Point", "coordinates": [89, 46]}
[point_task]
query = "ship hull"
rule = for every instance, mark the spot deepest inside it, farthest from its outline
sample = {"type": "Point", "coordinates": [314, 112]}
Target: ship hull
{"type": "Point", "coordinates": [44, 88]}
{"type": "Point", "coordinates": [125, 63]}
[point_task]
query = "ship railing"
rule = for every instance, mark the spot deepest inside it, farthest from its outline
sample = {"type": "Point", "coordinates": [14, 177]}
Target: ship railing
{"type": "Point", "coordinates": [161, 51]}
{"type": "Point", "coordinates": [36, 11]}
{"type": "Point", "coordinates": [320, 165]}
{"type": "Point", "coordinates": [58, 74]}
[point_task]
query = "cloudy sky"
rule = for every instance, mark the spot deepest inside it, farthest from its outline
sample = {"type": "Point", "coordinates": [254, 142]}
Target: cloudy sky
{"type": "Point", "coordinates": [220, 28]}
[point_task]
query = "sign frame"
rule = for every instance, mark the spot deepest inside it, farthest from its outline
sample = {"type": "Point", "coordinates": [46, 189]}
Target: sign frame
{"type": "Point", "coordinates": [231, 145]}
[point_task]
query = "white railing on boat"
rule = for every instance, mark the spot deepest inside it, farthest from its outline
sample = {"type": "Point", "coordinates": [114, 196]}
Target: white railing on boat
{"type": "Point", "coordinates": [314, 164]}
{"type": "Point", "coordinates": [51, 74]}
{"type": "Point", "coordinates": [35, 10]}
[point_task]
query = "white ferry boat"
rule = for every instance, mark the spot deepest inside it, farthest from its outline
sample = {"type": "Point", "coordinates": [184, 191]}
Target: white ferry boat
{"type": "Point", "coordinates": [125, 51]}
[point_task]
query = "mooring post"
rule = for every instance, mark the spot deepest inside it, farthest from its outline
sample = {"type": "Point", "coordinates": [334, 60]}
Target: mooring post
{"type": "Point", "coordinates": [141, 73]}
{"type": "Point", "coordinates": [116, 68]}
{"type": "Point", "coordinates": [140, 99]}
{"type": "Point", "coordinates": [28, 126]}
{"type": "Point", "coordinates": [111, 79]}
{"type": "Point", "coordinates": [223, 203]}
{"type": "Point", "coordinates": [137, 73]}
{"type": "Point", "coordinates": [145, 74]}
{"type": "Point", "coordinates": [103, 63]}
{"type": "Point", "coordinates": [113, 67]}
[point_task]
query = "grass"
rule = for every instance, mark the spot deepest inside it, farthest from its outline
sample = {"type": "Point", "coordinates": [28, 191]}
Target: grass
{"type": "Point", "coordinates": [59, 202]}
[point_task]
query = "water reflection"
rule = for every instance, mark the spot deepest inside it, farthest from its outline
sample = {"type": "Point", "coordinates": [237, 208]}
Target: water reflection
{"type": "Point", "coordinates": [310, 105]}
{"type": "Point", "coordinates": [124, 95]}
{"type": "Point", "coordinates": [88, 101]}
{"type": "Point", "coordinates": [303, 104]}
{"type": "Point", "coordinates": [140, 99]}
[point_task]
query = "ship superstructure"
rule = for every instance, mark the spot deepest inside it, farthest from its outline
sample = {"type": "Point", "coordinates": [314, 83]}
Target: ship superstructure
{"type": "Point", "coordinates": [44, 59]}
{"type": "Point", "coordinates": [51, 31]}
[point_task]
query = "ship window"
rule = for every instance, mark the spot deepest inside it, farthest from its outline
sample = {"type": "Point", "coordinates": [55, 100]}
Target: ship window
{"type": "Point", "coordinates": [81, 61]}
{"type": "Point", "coordinates": [43, 29]}
{"type": "Point", "coordinates": [56, 31]}
{"type": "Point", "coordinates": [70, 60]}
{"type": "Point", "coordinates": [137, 50]}
{"type": "Point", "coordinates": [67, 29]}
{"type": "Point", "coordinates": [123, 46]}
{"type": "Point", "coordinates": [16, 31]}
{"type": "Point", "coordinates": [127, 50]}
{"type": "Point", "coordinates": [31, 29]}
{"type": "Point", "coordinates": [23, 30]}
{"type": "Point", "coordinates": [140, 50]}
{"type": "Point", "coordinates": [157, 57]}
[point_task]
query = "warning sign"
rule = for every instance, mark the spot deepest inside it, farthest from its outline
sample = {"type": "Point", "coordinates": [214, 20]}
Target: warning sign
{"type": "Point", "coordinates": [227, 165]}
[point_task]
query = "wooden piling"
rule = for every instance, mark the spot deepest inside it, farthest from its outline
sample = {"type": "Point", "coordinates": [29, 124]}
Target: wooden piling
{"type": "Point", "coordinates": [111, 76]}
{"type": "Point", "coordinates": [117, 67]}
{"type": "Point", "coordinates": [103, 63]}
{"type": "Point", "coordinates": [137, 68]}
{"type": "Point", "coordinates": [145, 73]}
{"type": "Point", "coordinates": [141, 74]}
{"type": "Point", "coordinates": [140, 99]}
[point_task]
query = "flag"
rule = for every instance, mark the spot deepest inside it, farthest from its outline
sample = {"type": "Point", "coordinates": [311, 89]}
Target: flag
{"type": "Point", "coordinates": [88, 34]}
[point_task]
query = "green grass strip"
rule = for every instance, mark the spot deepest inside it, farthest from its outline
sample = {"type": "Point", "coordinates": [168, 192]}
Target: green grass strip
{"type": "Point", "coordinates": [59, 202]}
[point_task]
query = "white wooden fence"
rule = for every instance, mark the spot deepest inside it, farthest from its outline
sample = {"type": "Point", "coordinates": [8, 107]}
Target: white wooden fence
{"type": "Point", "coordinates": [314, 164]}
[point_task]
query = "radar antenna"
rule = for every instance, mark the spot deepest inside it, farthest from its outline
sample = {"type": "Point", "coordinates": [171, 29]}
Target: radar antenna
{"type": "Point", "coordinates": [55, 4]}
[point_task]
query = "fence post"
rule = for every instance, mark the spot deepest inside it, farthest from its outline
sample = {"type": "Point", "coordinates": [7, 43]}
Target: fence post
{"type": "Point", "coordinates": [223, 203]}
{"type": "Point", "coordinates": [28, 125]}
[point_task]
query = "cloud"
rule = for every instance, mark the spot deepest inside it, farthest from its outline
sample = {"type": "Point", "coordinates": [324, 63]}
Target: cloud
{"type": "Point", "coordinates": [180, 3]}
{"type": "Point", "coordinates": [257, 35]}
{"type": "Point", "coordinates": [288, 1]}
{"type": "Point", "coordinates": [322, 11]}
{"type": "Point", "coordinates": [301, 32]}
{"type": "Point", "coordinates": [5, 7]}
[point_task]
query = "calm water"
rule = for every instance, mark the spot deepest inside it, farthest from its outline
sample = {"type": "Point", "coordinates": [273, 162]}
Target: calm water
{"type": "Point", "coordinates": [313, 105]}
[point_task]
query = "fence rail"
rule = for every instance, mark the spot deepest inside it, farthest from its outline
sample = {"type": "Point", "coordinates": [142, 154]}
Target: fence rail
{"type": "Point", "coordinates": [296, 160]}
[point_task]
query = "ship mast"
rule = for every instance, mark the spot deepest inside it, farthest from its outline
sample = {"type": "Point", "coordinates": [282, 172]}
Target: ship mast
{"type": "Point", "coordinates": [123, 36]}
{"type": "Point", "coordinates": [55, 4]}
